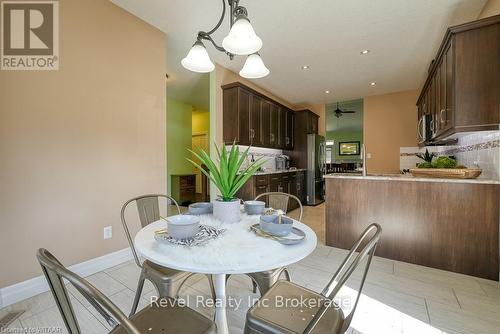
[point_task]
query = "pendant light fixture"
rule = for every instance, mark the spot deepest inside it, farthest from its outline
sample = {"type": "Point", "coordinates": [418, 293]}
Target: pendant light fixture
{"type": "Point", "coordinates": [254, 67]}
{"type": "Point", "coordinates": [198, 60]}
{"type": "Point", "coordinates": [241, 40]}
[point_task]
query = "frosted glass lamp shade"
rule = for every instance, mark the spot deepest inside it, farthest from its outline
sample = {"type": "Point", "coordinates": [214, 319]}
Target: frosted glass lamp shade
{"type": "Point", "coordinates": [242, 39]}
{"type": "Point", "coordinates": [197, 59]}
{"type": "Point", "coordinates": [254, 67]}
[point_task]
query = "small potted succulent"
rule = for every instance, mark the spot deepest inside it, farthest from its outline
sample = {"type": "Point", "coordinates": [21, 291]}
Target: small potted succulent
{"type": "Point", "coordinates": [427, 157]}
{"type": "Point", "coordinates": [228, 177]}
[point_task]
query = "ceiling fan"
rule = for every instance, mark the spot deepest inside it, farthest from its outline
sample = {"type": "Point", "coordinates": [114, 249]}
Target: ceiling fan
{"type": "Point", "coordinates": [338, 112]}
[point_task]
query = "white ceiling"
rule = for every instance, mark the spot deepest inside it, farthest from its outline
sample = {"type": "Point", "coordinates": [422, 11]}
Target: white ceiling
{"type": "Point", "coordinates": [327, 35]}
{"type": "Point", "coordinates": [346, 122]}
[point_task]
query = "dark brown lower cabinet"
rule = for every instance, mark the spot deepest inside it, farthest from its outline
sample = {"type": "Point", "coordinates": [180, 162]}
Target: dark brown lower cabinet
{"type": "Point", "coordinates": [287, 182]}
{"type": "Point", "coordinates": [260, 190]}
{"type": "Point", "coordinates": [274, 187]}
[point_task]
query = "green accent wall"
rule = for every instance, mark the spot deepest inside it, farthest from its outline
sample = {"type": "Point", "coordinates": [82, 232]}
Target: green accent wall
{"type": "Point", "coordinates": [179, 129]}
{"type": "Point", "coordinates": [343, 136]}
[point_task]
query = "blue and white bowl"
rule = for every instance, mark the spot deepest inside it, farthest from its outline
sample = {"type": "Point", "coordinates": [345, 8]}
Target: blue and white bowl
{"type": "Point", "coordinates": [254, 207]}
{"type": "Point", "coordinates": [201, 208]}
{"type": "Point", "coordinates": [182, 227]}
{"type": "Point", "coordinates": [270, 224]}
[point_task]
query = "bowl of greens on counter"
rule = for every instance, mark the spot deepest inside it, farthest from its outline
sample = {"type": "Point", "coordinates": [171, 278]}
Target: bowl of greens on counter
{"type": "Point", "coordinates": [443, 167]}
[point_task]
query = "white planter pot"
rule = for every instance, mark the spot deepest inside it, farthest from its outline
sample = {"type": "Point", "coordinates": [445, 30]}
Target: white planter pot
{"type": "Point", "coordinates": [227, 212]}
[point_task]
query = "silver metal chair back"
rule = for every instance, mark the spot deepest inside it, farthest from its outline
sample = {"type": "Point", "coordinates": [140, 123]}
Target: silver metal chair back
{"type": "Point", "coordinates": [148, 208]}
{"type": "Point", "coordinates": [280, 200]}
{"type": "Point", "coordinates": [54, 272]}
{"type": "Point", "coordinates": [366, 246]}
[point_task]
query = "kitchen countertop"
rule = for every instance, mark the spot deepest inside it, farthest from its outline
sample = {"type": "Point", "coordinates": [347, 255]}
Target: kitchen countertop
{"type": "Point", "coordinates": [280, 171]}
{"type": "Point", "coordinates": [406, 177]}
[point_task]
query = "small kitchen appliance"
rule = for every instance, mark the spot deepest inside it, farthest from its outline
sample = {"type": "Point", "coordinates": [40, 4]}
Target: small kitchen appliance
{"type": "Point", "coordinates": [282, 162]}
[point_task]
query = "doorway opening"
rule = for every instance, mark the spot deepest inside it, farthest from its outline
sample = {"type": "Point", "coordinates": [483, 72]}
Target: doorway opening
{"type": "Point", "coordinates": [188, 128]}
{"type": "Point", "coordinates": [344, 136]}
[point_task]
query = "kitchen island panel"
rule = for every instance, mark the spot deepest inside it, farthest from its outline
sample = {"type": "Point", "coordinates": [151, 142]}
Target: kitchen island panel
{"type": "Point", "coordinates": [450, 226]}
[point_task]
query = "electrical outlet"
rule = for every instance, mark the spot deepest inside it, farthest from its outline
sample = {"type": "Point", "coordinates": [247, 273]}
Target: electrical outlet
{"type": "Point", "coordinates": [108, 232]}
{"type": "Point", "coordinates": [368, 155]}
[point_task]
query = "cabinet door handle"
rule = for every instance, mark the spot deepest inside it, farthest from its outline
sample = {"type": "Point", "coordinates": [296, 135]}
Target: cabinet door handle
{"type": "Point", "coordinates": [287, 140]}
{"type": "Point", "coordinates": [272, 137]}
{"type": "Point", "coordinates": [419, 129]}
{"type": "Point", "coordinates": [441, 116]}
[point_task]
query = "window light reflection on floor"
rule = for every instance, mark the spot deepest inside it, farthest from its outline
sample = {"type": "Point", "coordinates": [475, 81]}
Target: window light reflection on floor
{"type": "Point", "coordinates": [375, 317]}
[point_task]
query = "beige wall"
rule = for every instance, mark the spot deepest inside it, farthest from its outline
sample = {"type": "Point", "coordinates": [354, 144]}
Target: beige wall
{"type": "Point", "coordinates": [224, 76]}
{"type": "Point", "coordinates": [389, 122]}
{"type": "Point", "coordinates": [78, 142]}
{"type": "Point", "coordinates": [492, 7]}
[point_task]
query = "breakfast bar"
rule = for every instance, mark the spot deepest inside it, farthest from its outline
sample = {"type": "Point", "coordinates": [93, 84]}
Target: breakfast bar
{"type": "Point", "coordinates": [448, 224]}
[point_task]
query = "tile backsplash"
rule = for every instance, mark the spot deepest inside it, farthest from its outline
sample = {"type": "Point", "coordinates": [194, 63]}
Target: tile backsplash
{"type": "Point", "coordinates": [479, 149]}
{"type": "Point", "coordinates": [267, 153]}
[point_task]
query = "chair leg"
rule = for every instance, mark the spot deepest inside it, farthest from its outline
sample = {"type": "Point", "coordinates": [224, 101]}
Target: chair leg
{"type": "Point", "coordinates": [287, 274]}
{"type": "Point", "coordinates": [176, 292]}
{"type": "Point", "coordinates": [140, 286]}
{"type": "Point", "coordinates": [254, 287]}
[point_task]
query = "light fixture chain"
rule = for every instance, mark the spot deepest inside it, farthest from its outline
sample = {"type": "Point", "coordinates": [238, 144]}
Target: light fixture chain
{"type": "Point", "coordinates": [206, 35]}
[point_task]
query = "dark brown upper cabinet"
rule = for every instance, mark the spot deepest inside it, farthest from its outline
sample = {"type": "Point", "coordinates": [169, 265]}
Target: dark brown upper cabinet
{"type": "Point", "coordinates": [250, 118]}
{"type": "Point", "coordinates": [309, 120]}
{"type": "Point", "coordinates": [281, 127]}
{"type": "Point", "coordinates": [285, 128]}
{"type": "Point", "coordinates": [266, 123]}
{"type": "Point", "coordinates": [289, 140]}
{"type": "Point", "coordinates": [236, 102]}
{"type": "Point", "coordinates": [273, 126]}
{"type": "Point", "coordinates": [304, 122]}
{"type": "Point", "coordinates": [462, 90]}
{"type": "Point", "coordinates": [255, 120]}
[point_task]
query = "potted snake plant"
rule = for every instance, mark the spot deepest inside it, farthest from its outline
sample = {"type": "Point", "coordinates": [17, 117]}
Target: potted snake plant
{"type": "Point", "coordinates": [228, 175]}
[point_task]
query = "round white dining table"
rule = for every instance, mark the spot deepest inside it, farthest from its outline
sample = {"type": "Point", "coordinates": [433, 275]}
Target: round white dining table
{"type": "Point", "coordinates": [237, 251]}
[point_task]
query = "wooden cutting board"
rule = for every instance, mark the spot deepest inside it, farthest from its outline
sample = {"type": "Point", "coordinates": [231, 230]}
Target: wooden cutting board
{"type": "Point", "coordinates": [447, 173]}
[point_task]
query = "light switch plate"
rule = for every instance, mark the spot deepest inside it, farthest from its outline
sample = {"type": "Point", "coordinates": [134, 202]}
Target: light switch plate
{"type": "Point", "coordinates": [108, 232]}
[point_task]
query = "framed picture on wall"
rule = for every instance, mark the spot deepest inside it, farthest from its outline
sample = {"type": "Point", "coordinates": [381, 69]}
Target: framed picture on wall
{"type": "Point", "coordinates": [349, 148]}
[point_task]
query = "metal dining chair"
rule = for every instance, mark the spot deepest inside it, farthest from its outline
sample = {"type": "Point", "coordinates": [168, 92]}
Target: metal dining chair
{"type": "Point", "coordinates": [265, 279]}
{"type": "Point", "coordinates": [152, 319]}
{"type": "Point", "coordinates": [167, 281]}
{"type": "Point", "coordinates": [318, 313]}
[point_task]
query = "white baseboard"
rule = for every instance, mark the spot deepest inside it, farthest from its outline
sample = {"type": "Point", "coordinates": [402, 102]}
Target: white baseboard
{"type": "Point", "coordinates": [29, 288]}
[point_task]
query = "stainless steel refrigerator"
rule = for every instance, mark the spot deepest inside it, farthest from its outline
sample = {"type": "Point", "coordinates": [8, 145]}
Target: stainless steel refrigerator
{"type": "Point", "coordinates": [316, 165]}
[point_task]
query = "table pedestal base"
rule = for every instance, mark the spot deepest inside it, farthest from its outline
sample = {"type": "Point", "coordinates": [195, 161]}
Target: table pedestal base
{"type": "Point", "coordinates": [220, 309]}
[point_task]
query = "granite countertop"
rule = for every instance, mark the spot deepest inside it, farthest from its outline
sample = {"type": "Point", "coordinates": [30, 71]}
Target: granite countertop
{"type": "Point", "coordinates": [406, 177]}
{"type": "Point", "coordinates": [267, 172]}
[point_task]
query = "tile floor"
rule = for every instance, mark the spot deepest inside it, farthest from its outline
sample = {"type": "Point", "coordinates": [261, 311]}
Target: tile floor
{"type": "Point", "coordinates": [397, 298]}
